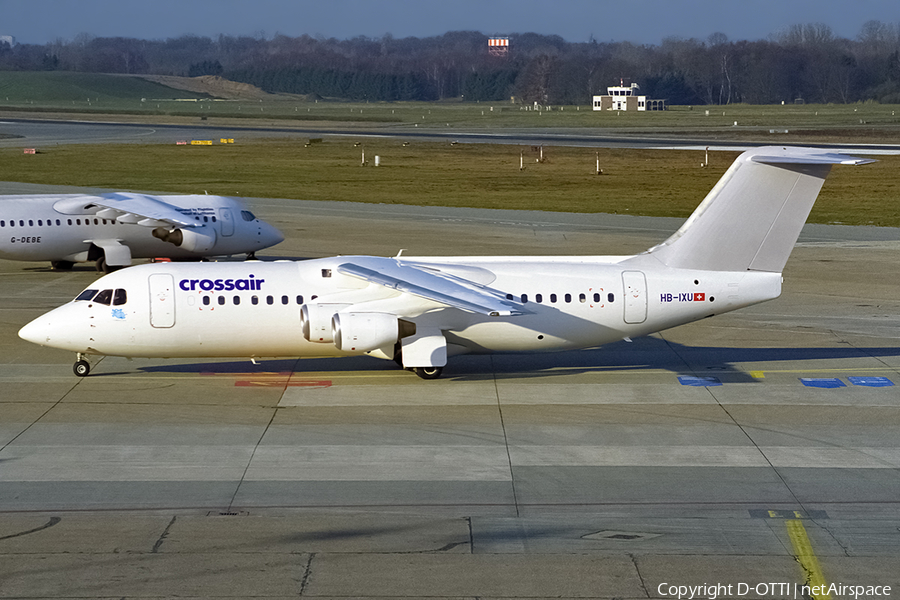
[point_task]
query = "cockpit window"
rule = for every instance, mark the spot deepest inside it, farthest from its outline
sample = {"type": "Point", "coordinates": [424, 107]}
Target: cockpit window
{"type": "Point", "coordinates": [86, 295]}
{"type": "Point", "coordinates": [104, 297]}
{"type": "Point", "coordinates": [247, 215]}
{"type": "Point", "coordinates": [119, 297]}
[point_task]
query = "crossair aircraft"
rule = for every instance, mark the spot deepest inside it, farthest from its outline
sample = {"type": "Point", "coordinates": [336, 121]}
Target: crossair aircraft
{"type": "Point", "coordinates": [111, 229]}
{"type": "Point", "coordinates": [419, 311]}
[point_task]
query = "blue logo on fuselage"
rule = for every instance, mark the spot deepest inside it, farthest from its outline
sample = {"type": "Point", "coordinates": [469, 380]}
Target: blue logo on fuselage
{"type": "Point", "coordinates": [219, 285]}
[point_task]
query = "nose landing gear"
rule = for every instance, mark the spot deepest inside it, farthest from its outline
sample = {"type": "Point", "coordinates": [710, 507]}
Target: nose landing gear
{"type": "Point", "coordinates": [82, 367]}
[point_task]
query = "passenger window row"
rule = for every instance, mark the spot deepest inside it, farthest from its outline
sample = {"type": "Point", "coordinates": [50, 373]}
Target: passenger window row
{"type": "Point", "coordinates": [105, 297]}
{"type": "Point", "coordinates": [57, 222]}
{"type": "Point", "coordinates": [539, 298]}
{"type": "Point", "coordinates": [254, 300]}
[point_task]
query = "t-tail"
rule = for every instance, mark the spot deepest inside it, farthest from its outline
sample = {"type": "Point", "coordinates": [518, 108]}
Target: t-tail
{"type": "Point", "coordinates": [752, 218]}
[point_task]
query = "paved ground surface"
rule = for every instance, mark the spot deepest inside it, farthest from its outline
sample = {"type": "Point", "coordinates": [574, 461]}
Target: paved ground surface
{"type": "Point", "coordinates": [594, 474]}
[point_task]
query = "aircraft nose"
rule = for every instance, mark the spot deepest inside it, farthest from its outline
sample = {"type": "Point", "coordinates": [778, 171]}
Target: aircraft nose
{"type": "Point", "coordinates": [269, 235]}
{"type": "Point", "coordinates": [38, 331]}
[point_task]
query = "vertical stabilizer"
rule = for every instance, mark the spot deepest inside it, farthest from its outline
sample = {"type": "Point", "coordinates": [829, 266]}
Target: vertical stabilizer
{"type": "Point", "coordinates": [752, 217]}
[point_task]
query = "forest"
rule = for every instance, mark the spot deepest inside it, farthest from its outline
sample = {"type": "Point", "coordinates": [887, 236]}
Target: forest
{"type": "Point", "coordinates": [801, 63]}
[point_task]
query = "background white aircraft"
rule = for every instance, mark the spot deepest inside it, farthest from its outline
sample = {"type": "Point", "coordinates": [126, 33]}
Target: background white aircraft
{"type": "Point", "coordinates": [418, 311]}
{"type": "Point", "coordinates": [114, 228]}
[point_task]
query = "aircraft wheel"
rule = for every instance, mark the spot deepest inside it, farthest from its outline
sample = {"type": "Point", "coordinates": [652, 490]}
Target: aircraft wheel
{"type": "Point", "coordinates": [82, 368]}
{"type": "Point", "coordinates": [61, 265]}
{"type": "Point", "coordinates": [429, 372]}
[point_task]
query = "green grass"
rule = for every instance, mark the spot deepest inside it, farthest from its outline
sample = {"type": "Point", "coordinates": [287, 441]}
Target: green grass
{"type": "Point", "coordinates": [23, 89]}
{"type": "Point", "coordinates": [119, 94]}
{"type": "Point", "coordinates": [639, 182]}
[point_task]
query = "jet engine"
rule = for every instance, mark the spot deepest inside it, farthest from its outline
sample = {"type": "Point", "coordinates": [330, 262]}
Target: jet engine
{"type": "Point", "coordinates": [192, 240]}
{"type": "Point", "coordinates": [362, 332]}
{"type": "Point", "coordinates": [315, 319]}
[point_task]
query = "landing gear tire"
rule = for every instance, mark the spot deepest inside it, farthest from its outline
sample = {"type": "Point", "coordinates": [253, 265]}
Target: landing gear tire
{"type": "Point", "coordinates": [82, 368]}
{"type": "Point", "coordinates": [61, 265]}
{"type": "Point", "coordinates": [102, 267]}
{"type": "Point", "coordinates": [429, 372]}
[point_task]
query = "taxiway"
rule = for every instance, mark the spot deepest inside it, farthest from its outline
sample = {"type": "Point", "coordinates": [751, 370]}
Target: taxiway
{"type": "Point", "coordinates": [724, 451]}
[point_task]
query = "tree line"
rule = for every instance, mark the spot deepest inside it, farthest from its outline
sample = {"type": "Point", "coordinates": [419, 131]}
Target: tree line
{"type": "Point", "coordinates": [807, 63]}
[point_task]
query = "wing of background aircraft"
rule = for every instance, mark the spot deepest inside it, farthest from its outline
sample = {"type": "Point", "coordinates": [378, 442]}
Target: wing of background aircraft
{"type": "Point", "coordinates": [141, 209]}
{"type": "Point", "coordinates": [433, 284]}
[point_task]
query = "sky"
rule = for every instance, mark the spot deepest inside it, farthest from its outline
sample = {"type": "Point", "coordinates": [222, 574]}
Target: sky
{"type": "Point", "coordinates": [637, 21]}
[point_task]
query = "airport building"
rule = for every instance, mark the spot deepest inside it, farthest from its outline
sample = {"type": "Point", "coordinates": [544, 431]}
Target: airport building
{"type": "Point", "coordinates": [624, 97]}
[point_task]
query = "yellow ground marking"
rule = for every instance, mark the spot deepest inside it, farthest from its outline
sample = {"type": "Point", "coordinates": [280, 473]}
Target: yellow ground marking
{"type": "Point", "coordinates": [803, 550]}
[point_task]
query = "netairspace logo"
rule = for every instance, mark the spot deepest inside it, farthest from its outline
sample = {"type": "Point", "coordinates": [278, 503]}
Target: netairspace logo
{"type": "Point", "coordinates": [771, 590]}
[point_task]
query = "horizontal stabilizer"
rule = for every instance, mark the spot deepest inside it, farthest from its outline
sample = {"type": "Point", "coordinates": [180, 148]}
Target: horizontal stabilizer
{"type": "Point", "coordinates": [753, 216]}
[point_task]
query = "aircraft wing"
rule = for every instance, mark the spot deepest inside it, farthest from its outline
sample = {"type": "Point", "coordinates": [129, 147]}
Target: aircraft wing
{"type": "Point", "coordinates": [141, 209]}
{"type": "Point", "coordinates": [432, 284]}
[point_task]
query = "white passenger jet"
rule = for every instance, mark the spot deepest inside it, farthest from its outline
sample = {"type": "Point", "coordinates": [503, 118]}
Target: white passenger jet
{"type": "Point", "coordinates": [420, 310]}
{"type": "Point", "coordinates": [114, 228]}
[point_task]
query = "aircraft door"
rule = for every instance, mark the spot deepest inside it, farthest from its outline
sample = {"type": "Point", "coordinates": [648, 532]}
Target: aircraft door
{"type": "Point", "coordinates": [162, 300]}
{"type": "Point", "coordinates": [635, 296]}
{"type": "Point", "coordinates": [227, 221]}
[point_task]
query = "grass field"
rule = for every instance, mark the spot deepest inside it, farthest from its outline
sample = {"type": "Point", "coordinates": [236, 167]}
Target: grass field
{"type": "Point", "coordinates": [639, 182]}
{"type": "Point", "coordinates": [117, 94]}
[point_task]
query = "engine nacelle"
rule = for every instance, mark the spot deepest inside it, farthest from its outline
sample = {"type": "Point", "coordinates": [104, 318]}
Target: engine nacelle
{"type": "Point", "coordinates": [315, 319]}
{"type": "Point", "coordinates": [362, 331]}
{"type": "Point", "coordinates": [192, 240]}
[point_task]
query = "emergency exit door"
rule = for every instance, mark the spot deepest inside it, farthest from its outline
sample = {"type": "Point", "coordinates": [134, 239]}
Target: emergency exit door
{"type": "Point", "coordinates": [635, 295]}
{"type": "Point", "coordinates": [162, 300]}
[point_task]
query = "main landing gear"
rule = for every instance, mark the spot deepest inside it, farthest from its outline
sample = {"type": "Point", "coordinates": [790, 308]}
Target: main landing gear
{"type": "Point", "coordinates": [429, 372]}
{"type": "Point", "coordinates": [423, 372]}
{"type": "Point", "coordinates": [81, 367]}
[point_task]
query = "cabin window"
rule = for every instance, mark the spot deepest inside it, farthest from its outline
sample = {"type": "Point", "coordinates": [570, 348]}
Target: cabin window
{"type": "Point", "coordinates": [568, 297]}
{"type": "Point", "coordinates": [221, 300]}
{"type": "Point", "coordinates": [254, 300]}
{"type": "Point", "coordinates": [538, 298]}
{"type": "Point", "coordinates": [30, 223]}
{"type": "Point", "coordinates": [57, 223]}
{"type": "Point", "coordinates": [582, 298]}
{"type": "Point", "coordinates": [611, 297]}
{"type": "Point", "coordinates": [206, 219]}
{"type": "Point", "coordinates": [96, 221]}
{"type": "Point", "coordinates": [104, 297]}
{"type": "Point", "coordinates": [596, 297]}
{"type": "Point", "coordinates": [120, 297]}
{"type": "Point", "coordinates": [237, 300]}
{"type": "Point", "coordinates": [270, 300]}
{"type": "Point", "coordinates": [509, 296]}
{"type": "Point", "coordinates": [70, 221]}
{"type": "Point", "coordinates": [205, 300]}
{"type": "Point", "coordinates": [553, 298]}
{"type": "Point", "coordinates": [40, 223]}
{"type": "Point", "coordinates": [86, 295]}
{"type": "Point", "coordinates": [21, 223]}
{"type": "Point", "coordinates": [247, 215]}
{"type": "Point", "coordinates": [213, 219]}
{"type": "Point", "coordinates": [285, 299]}
{"type": "Point", "coordinates": [78, 221]}
{"type": "Point", "coordinates": [326, 272]}
{"type": "Point", "coordinates": [524, 298]}
{"type": "Point", "coordinates": [2, 223]}
{"type": "Point", "coordinates": [299, 299]}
